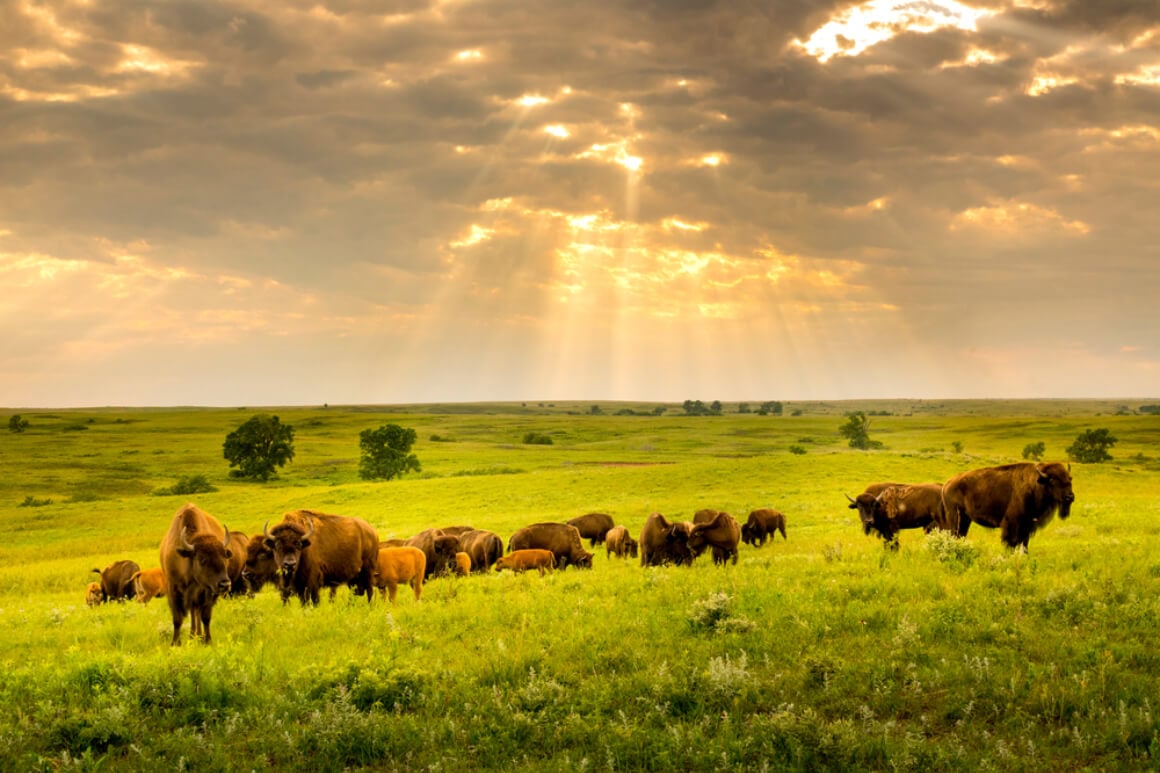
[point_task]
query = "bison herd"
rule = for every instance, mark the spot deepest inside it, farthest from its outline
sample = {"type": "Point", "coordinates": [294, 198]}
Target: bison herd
{"type": "Point", "coordinates": [201, 560]}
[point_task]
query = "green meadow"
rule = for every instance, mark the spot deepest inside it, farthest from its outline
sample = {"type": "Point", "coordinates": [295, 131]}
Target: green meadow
{"type": "Point", "coordinates": [822, 651]}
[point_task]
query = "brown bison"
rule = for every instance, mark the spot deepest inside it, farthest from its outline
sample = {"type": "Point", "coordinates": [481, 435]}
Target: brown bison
{"type": "Point", "coordinates": [439, 548]}
{"type": "Point", "coordinates": [93, 594]}
{"type": "Point", "coordinates": [560, 538]}
{"type": "Point", "coordinates": [483, 547]}
{"type": "Point", "coordinates": [314, 550]}
{"type": "Point", "coordinates": [888, 508]}
{"type": "Point", "coordinates": [260, 566]}
{"type": "Point", "coordinates": [664, 542]}
{"type": "Point", "coordinates": [620, 543]}
{"type": "Point", "coordinates": [719, 531]}
{"type": "Point", "coordinates": [593, 527]}
{"type": "Point", "coordinates": [527, 558]}
{"type": "Point", "coordinates": [400, 566]}
{"type": "Point", "coordinates": [194, 562]}
{"type": "Point", "coordinates": [149, 583]}
{"type": "Point", "coordinates": [762, 524]}
{"type": "Point", "coordinates": [462, 564]}
{"type": "Point", "coordinates": [117, 580]}
{"type": "Point", "coordinates": [1018, 498]}
{"type": "Point", "coordinates": [239, 544]}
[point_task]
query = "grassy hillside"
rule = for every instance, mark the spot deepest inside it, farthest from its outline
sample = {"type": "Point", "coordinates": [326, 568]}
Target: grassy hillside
{"type": "Point", "coordinates": [821, 651]}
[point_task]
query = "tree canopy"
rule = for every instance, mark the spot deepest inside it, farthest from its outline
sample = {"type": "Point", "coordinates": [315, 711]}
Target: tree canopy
{"type": "Point", "coordinates": [1092, 446]}
{"type": "Point", "coordinates": [258, 447]}
{"type": "Point", "coordinates": [386, 452]}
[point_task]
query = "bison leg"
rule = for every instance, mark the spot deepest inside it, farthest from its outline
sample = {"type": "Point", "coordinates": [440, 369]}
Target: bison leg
{"type": "Point", "coordinates": [392, 590]}
{"type": "Point", "coordinates": [417, 584]}
{"type": "Point", "coordinates": [206, 612]}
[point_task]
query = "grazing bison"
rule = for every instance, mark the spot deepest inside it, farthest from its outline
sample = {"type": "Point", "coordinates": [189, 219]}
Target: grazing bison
{"type": "Point", "coordinates": [560, 538]}
{"type": "Point", "coordinates": [664, 542]}
{"type": "Point", "coordinates": [400, 566]}
{"type": "Point", "coordinates": [260, 567]}
{"type": "Point", "coordinates": [150, 583]}
{"type": "Point", "coordinates": [593, 527]}
{"type": "Point", "coordinates": [314, 550]}
{"type": "Point", "coordinates": [462, 564]}
{"type": "Point", "coordinates": [1018, 498]}
{"type": "Point", "coordinates": [762, 524]}
{"type": "Point", "coordinates": [194, 561]}
{"type": "Point", "coordinates": [93, 594]}
{"type": "Point", "coordinates": [888, 508]}
{"type": "Point", "coordinates": [439, 548]}
{"type": "Point", "coordinates": [527, 558]}
{"type": "Point", "coordinates": [620, 543]}
{"type": "Point", "coordinates": [721, 532]}
{"type": "Point", "coordinates": [483, 547]}
{"type": "Point", "coordinates": [117, 580]}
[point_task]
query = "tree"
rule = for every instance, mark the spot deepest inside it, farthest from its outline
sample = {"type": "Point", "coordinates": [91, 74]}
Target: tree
{"type": "Point", "coordinates": [1034, 451]}
{"type": "Point", "coordinates": [258, 447]}
{"type": "Point", "coordinates": [770, 406]}
{"type": "Point", "coordinates": [857, 430]}
{"type": "Point", "coordinates": [386, 452]}
{"type": "Point", "coordinates": [17, 423]}
{"type": "Point", "coordinates": [1092, 446]}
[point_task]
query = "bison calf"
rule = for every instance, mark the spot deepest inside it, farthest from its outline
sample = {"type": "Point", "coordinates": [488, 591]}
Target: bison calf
{"type": "Point", "coordinates": [149, 583]}
{"type": "Point", "coordinates": [620, 543]}
{"type": "Point", "coordinates": [400, 566]}
{"type": "Point", "coordinates": [762, 524]}
{"type": "Point", "coordinates": [462, 564]}
{"type": "Point", "coordinates": [93, 594]}
{"type": "Point", "coordinates": [528, 558]}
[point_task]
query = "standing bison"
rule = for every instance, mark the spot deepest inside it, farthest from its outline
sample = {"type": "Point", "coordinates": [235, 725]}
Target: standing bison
{"type": "Point", "coordinates": [314, 550]}
{"type": "Point", "coordinates": [593, 527]}
{"type": "Point", "coordinates": [117, 581]}
{"type": "Point", "coordinates": [194, 561]}
{"type": "Point", "coordinates": [440, 549]}
{"type": "Point", "coordinates": [483, 547]}
{"type": "Point", "coordinates": [1019, 499]}
{"type": "Point", "coordinates": [762, 523]}
{"type": "Point", "coordinates": [560, 538]}
{"type": "Point", "coordinates": [717, 530]}
{"type": "Point", "coordinates": [664, 542]}
{"type": "Point", "coordinates": [149, 583]}
{"type": "Point", "coordinates": [400, 566]}
{"type": "Point", "coordinates": [888, 508]}
{"type": "Point", "coordinates": [620, 543]}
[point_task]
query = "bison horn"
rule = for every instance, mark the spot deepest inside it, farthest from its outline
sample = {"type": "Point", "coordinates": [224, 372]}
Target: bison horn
{"type": "Point", "coordinates": [184, 540]}
{"type": "Point", "coordinates": [226, 541]}
{"type": "Point", "coordinates": [266, 529]}
{"type": "Point", "coordinates": [310, 523]}
{"type": "Point", "coordinates": [850, 498]}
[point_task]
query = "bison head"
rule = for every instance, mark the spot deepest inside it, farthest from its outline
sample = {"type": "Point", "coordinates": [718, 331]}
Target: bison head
{"type": "Point", "coordinates": [631, 546]}
{"type": "Point", "coordinates": [209, 560]}
{"type": "Point", "coordinates": [260, 566]}
{"type": "Point", "coordinates": [287, 542]}
{"type": "Point", "coordinates": [1056, 479]}
{"type": "Point", "coordinates": [747, 535]}
{"type": "Point", "coordinates": [868, 508]}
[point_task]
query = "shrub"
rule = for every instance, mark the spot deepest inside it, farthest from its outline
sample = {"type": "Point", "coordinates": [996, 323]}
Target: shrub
{"type": "Point", "coordinates": [797, 450]}
{"type": "Point", "coordinates": [1034, 451]}
{"type": "Point", "coordinates": [31, 501]}
{"type": "Point", "coordinates": [191, 484]}
{"type": "Point", "coordinates": [957, 446]}
{"type": "Point", "coordinates": [1092, 446]}
{"type": "Point", "coordinates": [714, 613]}
{"type": "Point", "coordinates": [949, 549]}
{"type": "Point", "coordinates": [537, 439]}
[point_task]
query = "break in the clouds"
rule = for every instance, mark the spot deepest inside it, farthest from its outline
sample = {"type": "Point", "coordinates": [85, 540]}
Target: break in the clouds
{"type": "Point", "coordinates": [258, 202]}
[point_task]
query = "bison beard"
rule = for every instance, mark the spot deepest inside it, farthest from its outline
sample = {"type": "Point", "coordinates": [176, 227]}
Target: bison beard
{"type": "Point", "coordinates": [1019, 499]}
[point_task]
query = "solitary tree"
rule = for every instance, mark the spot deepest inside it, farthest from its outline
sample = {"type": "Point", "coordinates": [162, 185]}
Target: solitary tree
{"type": "Point", "coordinates": [857, 430]}
{"type": "Point", "coordinates": [1092, 446]}
{"type": "Point", "coordinates": [1034, 451]}
{"type": "Point", "coordinates": [258, 447]}
{"type": "Point", "coordinates": [17, 423]}
{"type": "Point", "coordinates": [386, 452]}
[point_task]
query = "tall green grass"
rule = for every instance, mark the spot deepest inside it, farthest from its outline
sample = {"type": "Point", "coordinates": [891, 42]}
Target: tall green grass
{"type": "Point", "coordinates": [821, 651]}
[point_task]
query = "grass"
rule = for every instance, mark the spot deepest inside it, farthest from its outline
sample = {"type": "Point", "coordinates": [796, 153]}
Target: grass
{"type": "Point", "coordinates": [820, 652]}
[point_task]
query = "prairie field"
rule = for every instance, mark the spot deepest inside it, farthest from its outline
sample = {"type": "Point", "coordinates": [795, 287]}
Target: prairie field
{"type": "Point", "coordinates": [821, 651]}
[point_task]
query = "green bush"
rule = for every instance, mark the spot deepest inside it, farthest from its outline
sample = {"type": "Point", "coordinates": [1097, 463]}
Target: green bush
{"type": "Point", "coordinates": [187, 485]}
{"type": "Point", "coordinates": [537, 439]}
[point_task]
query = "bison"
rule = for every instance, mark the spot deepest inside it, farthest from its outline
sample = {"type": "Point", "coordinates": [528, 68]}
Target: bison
{"type": "Point", "coordinates": [664, 542]}
{"type": "Point", "coordinates": [400, 566]}
{"type": "Point", "coordinates": [194, 561]}
{"type": "Point", "coordinates": [150, 583]}
{"type": "Point", "coordinates": [117, 580]}
{"type": "Point", "coordinates": [462, 564]}
{"type": "Point", "coordinates": [1018, 498]}
{"type": "Point", "coordinates": [239, 543]}
{"type": "Point", "coordinates": [260, 566]}
{"type": "Point", "coordinates": [527, 558]}
{"type": "Point", "coordinates": [888, 508]}
{"type": "Point", "coordinates": [620, 543]}
{"type": "Point", "coordinates": [721, 532]}
{"type": "Point", "coordinates": [93, 595]}
{"type": "Point", "coordinates": [314, 550]}
{"type": "Point", "coordinates": [761, 524]}
{"type": "Point", "coordinates": [560, 538]}
{"type": "Point", "coordinates": [593, 527]}
{"type": "Point", "coordinates": [439, 548]}
{"type": "Point", "coordinates": [483, 547]}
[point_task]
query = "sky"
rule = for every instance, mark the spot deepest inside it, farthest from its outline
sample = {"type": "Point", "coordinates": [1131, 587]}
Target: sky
{"type": "Point", "coordinates": [274, 202]}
